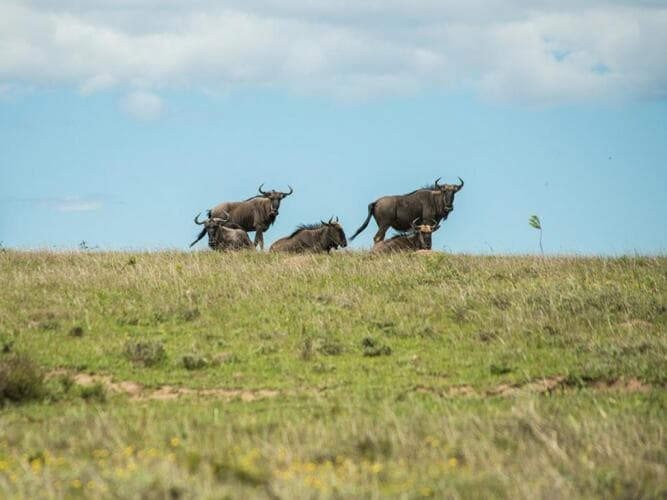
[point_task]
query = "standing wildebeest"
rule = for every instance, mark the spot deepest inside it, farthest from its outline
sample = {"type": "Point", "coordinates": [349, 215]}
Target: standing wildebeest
{"type": "Point", "coordinates": [322, 237]}
{"type": "Point", "coordinates": [431, 203]}
{"type": "Point", "coordinates": [222, 235]}
{"type": "Point", "coordinates": [418, 239]}
{"type": "Point", "coordinates": [254, 214]}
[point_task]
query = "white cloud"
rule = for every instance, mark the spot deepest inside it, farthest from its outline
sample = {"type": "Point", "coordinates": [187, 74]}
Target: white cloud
{"type": "Point", "coordinates": [506, 50]}
{"type": "Point", "coordinates": [75, 204]}
{"type": "Point", "coordinates": [142, 105]}
{"type": "Point", "coordinates": [65, 203]}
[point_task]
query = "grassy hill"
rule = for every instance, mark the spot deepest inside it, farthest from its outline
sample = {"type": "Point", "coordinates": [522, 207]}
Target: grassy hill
{"type": "Point", "coordinates": [201, 374]}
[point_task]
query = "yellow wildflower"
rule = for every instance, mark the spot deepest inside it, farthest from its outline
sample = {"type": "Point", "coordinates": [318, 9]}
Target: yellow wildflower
{"type": "Point", "coordinates": [175, 442]}
{"type": "Point", "coordinates": [426, 492]}
{"type": "Point", "coordinates": [76, 484]}
{"type": "Point", "coordinates": [453, 462]}
{"type": "Point", "coordinates": [4, 465]}
{"type": "Point", "coordinates": [36, 465]}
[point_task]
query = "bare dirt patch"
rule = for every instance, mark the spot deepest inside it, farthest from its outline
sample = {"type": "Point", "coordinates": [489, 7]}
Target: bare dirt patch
{"type": "Point", "coordinates": [538, 386]}
{"type": "Point", "coordinates": [137, 392]}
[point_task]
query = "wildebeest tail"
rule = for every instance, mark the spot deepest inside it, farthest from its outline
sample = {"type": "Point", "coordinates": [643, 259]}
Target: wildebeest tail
{"type": "Point", "coordinates": [201, 235]}
{"type": "Point", "coordinates": [371, 208]}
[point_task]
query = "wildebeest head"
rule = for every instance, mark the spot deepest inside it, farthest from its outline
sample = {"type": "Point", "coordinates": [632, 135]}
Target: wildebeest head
{"type": "Point", "coordinates": [211, 227]}
{"type": "Point", "coordinates": [335, 232]}
{"type": "Point", "coordinates": [424, 232]}
{"type": "Point", "coordinates": [275, 196]}
{"type": "Point", "coordinates": [448, 191]}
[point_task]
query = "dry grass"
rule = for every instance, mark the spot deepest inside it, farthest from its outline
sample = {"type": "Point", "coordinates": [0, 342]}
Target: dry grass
{"type": "Point", "coordinates": [405, 376]}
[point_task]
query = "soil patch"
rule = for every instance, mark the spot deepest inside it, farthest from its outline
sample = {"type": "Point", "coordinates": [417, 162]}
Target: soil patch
{"type": "Point", "coordinates": [538, 386]}
{"type": "Point", "coordinates": [137, 392]}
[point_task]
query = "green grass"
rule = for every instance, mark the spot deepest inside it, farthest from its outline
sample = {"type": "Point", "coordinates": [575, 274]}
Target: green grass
{"type": "Point", "coordinates": [347, 375]}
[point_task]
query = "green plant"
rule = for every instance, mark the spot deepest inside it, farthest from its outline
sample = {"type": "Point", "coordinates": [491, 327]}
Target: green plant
{"type": "Point", "coordinates": [20, 379]}
{"type": "Point", "coordinates": [194, 361]}
{"type": "Point", "coordinates": [144, 352]}
{"type": "Point", "coordinates": [96, 392]}
{"type": "Point", "coordinates": [535, 222]}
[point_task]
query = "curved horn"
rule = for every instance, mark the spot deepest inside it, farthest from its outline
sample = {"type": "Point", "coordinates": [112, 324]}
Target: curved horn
{"type": "Point", "coordinates": [336, 221]}
{"type": "Point", "coordinates": [290, 191]}
{"type": "Point", "coordinates": [460, 185]}
{"type": "Point", "coordinates": [330, 220]}
{"type": "Point", "coordinates": [412, 224]}
{"type": "Point", "coordinates": [260, 189]}
{"type": "Point", "coordinates": [197, 220]}
{"type": "Point", "coordinates": [436, 182]}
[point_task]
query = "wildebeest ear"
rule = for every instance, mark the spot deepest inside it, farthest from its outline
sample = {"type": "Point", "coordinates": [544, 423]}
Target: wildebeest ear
{"type": "Point", "coordinates": [435, 228]}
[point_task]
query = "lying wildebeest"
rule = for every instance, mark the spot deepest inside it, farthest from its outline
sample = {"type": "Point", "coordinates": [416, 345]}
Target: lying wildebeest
{"type": "Point", "coordinates": [223, 235]}
{"type": "Point", "coordinates": [418, 239]}
{"type": "Point", "coordinates": [254, 214]}
{"type": "Point", "coordinates": [322, 237]}
{"type": "Point", "coordinates": [431, 203]}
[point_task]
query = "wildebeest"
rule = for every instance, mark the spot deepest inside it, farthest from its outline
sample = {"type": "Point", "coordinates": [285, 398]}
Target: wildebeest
{"type": "Point", "coordinates": [418, 239]}
{"type": "Point", "coordinates": [254, 214]}
{"type": "Point", "coordinates": [322, 237]}
{"type": "Point", "coordinates": [223, 235]}
{"type": "Point", "coordinates": [430, 203]}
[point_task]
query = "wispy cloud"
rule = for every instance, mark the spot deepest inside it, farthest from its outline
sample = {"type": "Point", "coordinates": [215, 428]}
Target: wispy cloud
{"type": "Point", "coordinates": [76, 204]}
{"type": "Point", "coordinates": [65, 203]}
{"type": "Point", "coordinates": [141, 105]}
{"type": "Point", "coordinates": [506, 50]}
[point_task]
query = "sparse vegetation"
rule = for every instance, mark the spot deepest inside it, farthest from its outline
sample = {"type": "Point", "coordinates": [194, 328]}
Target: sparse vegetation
{"type": "Point", "coordinates": [250, 375]}
{"type": "Point", "coordinates": [145, 352]}
{"type": "Point", "coordinates": [21, 379]}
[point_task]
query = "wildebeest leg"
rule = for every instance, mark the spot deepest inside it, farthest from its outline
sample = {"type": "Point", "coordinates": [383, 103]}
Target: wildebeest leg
{"type": "Point", "coordinates": [259, 238]}
{"type": "Point", "coordinates": [379, 236]}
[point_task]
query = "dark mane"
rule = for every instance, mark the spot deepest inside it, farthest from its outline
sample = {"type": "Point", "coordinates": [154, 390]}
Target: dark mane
{"type": "Point", "coordinates": [253, 197]}
{"type": "Point", "coordinates": [428, 187]}
{"type": "Point", "coordinates": [303, 227]}
{"type": "Point", "coordinates": [401, 235]}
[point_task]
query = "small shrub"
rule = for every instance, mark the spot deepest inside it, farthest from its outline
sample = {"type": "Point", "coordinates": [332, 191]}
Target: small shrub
{"type": "Point", "coordinates": [146, 353]}
{"type": "Point", "coordinates": [374, 448]}
{"type": "Point", "coordinates": [187, 314]}
{"type": "Point", "coordinates": [76, 331]}
{"type": "Point", "coordinates": [487, 336]}
{"type": "Point", "coordinates": [49, 325]}
{"type": "Point", "coordinates": [499, 369]}
{"type": "Point", "coordinates": [66, 382]}
{"type": "Point", "coordinates": [194, 362]}
{"type": "Point", "coordinates": [7, 346]}
{"type": "Point", "coordinates": [330, 347]}
{"type": "Point", "coordinates": [20, 379]}
{"type": "Point", "coordinates": [374, 348]}
{"type": "Point", "coordinates": [96, 392]}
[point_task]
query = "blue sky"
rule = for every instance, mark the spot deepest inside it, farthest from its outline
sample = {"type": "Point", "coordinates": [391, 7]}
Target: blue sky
{"type": "Point", "coordinates": [124, 154]}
